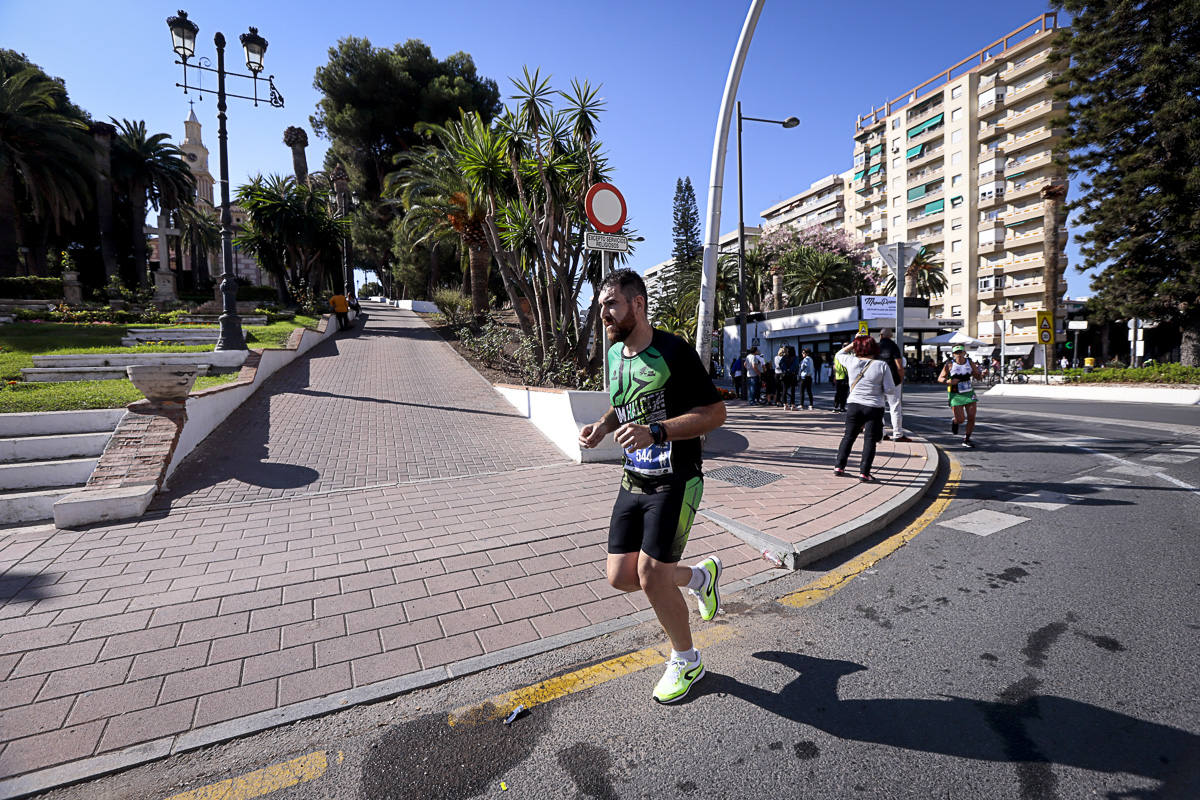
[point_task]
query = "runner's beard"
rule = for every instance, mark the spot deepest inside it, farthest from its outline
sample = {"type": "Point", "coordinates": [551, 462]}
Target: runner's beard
{"type": "Point", "coordinates": [619, 329]}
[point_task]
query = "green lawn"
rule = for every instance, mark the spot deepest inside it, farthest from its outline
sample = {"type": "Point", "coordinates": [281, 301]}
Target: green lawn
{"type": "Point", "coordinates": [20, 341]}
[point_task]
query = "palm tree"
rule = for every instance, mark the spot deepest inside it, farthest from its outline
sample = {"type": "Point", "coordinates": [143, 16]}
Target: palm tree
{"type": "Point", "coordinates": [924, 277]}
{"type": "Point", "coordinates": [814, 276]}
{"type": "Point", "coordinates": [297, 139]}
{"type": "Point", "coordinates": [46, 158]}
{"type": "Point", "coordinates": [200, 233]}
{"type": "Point", "coordinates": [152, 171]}
{"type": "Point", "coordinates": [292, 228]}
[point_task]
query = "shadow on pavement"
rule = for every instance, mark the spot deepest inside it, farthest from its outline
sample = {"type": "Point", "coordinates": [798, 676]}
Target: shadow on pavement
{"type": "Point", "coordinates": [1021, 727]}
{"type": "Point", "coordinates": [17, 587]}
{"type": "Point", "coordinates": [317, 393]}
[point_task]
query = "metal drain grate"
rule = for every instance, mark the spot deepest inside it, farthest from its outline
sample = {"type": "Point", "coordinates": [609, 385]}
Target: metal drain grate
{"type": "Point", "coordinates": [743, 476]}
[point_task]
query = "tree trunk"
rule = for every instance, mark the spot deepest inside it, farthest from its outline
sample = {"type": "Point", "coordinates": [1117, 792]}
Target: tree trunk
{"type": "Point", "coordinates": [480, 256]}
{"type": "Point", "coordinates": [9, 260]}
{"type": "Point", "coordinates": [1052, 197]}
{"type": "Point", "coordinates": [102, 133]}
{"type": "Point", "coordinates": [1189, 344]}
{"type": "Point", "coordinates": [434, 269]}
{"type": "Point", "coordinates": [777, 290]}
{"type": "Point", "coordinates": [300, 163]}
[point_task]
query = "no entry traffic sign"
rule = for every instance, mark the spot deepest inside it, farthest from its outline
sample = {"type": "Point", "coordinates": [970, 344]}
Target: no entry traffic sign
{"type": "Point", "coordinates": [605, 208]}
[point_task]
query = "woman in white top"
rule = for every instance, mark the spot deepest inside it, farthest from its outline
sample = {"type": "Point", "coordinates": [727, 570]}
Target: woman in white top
{"type": "Point", "coordinates": [869, 379]}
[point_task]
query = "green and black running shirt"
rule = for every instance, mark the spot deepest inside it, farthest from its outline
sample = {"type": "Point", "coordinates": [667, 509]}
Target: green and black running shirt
{"type": "Point", "coordinates": [663, 381]}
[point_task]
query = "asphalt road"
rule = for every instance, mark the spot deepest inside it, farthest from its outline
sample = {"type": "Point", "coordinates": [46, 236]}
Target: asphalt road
{"type": "Point", "coordinates": [1038, 640]}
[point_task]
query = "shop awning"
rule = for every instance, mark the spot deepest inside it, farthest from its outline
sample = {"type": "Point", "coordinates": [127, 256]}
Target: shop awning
{"type": "Point", "coordinates": [913, 152]}
{"type": "Point", "coordinates": [1017, 349]}
{"type": "Point", "coordinates": [924, 126]}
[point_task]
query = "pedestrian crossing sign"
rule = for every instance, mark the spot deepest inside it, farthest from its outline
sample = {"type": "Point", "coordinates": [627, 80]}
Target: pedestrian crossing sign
{"type": "Point", "coordinates": [863, 328]}
{"type": "Point", "coordinates": [1045, 326]}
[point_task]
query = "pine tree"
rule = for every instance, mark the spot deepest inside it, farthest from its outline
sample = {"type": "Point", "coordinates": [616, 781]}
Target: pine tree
{"type": "Point", "coordinates": [1132, 135]}
{"type": "Point", "coordinates": [686, 250]}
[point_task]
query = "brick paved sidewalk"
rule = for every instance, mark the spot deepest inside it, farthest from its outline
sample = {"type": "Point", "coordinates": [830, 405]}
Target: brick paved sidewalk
{"type": "Point", "coordinates": [231, 613]}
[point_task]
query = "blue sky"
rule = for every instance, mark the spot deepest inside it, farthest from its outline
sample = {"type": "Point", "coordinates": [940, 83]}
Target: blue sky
{"type": "Point", "coordinates": [661, 63]}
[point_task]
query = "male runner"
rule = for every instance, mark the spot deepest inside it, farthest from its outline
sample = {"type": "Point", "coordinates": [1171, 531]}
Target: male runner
{"type": "Point", "coordinates": [662, 402]}
{"type": "Point", "coordinates": [958, 375]}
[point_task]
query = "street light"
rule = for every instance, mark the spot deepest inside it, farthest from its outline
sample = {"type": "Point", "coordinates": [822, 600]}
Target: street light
{"type": "Point", "coordinates": [790, 122]}
{"type": "Point", "coordinates": [183, 42]}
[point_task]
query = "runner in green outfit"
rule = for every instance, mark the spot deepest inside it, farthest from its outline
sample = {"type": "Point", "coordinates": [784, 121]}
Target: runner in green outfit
{"type": "Point", "coordinates": [958, 375]}
{"type": "Point", "coordinates": [663, 401]}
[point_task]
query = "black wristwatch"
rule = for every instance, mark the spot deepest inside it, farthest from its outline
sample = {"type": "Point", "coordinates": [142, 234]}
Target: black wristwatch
{"type": "Point", "coordinates": [659, 432]}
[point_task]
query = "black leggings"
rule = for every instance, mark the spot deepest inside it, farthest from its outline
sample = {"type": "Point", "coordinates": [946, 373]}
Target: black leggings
{"type": "Point", "coordinates": [861, 419]}
{"type": "Point", "coordinates": [806, 389]}
{"type": "Point", "coordinates": [789, 389]}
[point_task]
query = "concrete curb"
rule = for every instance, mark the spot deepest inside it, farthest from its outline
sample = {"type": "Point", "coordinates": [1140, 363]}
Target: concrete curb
{"type": "Point", "coordinates": [1099, 392]}
{"type": "Point", "coordinates": [794, 556]}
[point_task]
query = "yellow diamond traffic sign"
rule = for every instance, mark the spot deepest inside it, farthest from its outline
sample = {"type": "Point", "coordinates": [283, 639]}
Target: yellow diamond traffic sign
{"type": "Point", "coordinates": [1045, 326]}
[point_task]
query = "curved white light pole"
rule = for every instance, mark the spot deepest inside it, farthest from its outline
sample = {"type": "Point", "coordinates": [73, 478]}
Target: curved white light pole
{"type": "Point", "coordinates": [708, 278]}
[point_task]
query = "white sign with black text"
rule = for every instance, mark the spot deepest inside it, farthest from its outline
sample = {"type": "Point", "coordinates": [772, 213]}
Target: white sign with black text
{"type": "Point", "coordinates": [613, 243]}
{"type": "Point", "coordinates": [878, 307]}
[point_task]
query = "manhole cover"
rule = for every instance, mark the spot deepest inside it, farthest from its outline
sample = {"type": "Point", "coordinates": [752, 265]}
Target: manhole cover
{"type": "Point", "coordinates": [743, 476]}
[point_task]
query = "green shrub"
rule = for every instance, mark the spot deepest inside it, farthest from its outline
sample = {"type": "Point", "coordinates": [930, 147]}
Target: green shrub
{"type": "Point", "coordinates": [29, 288]}
{"type": "Point", "coordinates": [1155, 373]}
{"type": "Point", "coordinates": [454, 305]}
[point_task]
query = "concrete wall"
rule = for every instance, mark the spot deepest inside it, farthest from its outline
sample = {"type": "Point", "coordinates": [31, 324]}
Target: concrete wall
{"type": "Point", "coordinates": [560, 415]}
{"type": "Point", "coordinates": [423, 306]}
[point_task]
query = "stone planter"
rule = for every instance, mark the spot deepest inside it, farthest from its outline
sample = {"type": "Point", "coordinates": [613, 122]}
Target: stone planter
{"type": "Point", "coordinates": [163, 382]}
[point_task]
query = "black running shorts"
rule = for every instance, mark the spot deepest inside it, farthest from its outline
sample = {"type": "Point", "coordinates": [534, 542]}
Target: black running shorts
{"type": "Point", "coordinates": [655, 522]}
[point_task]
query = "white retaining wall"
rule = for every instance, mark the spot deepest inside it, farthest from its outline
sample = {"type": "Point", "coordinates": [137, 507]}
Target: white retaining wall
{"type": "Point", "coordinates": [560, 415]}
{"type": "Point", "coordinates": [1102, 392]}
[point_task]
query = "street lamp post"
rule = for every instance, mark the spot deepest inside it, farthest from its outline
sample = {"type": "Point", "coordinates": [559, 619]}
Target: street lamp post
{"type": "Point", "coordinates": [183, 42]}
{"type": "Point", "coordinates": [790, 122]}
{"type": "Point", "coordinates": [341, 184]}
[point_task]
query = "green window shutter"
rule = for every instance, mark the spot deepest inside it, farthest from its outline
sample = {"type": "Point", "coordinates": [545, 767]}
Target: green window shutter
{"type": "Point", "coordinates": [914, 151]}
{"type": "Point", "coordinates": [859, 174]}
{"type": "Point", "coordinates": [924, 126]}
{"type": "Point", "coordinates": [1015, 175]}
{"type": "Point", "coordinates": [935, 206]}
{"type": "Point", "coordinates": [875, 150]}
{"type": "Point", "coordinates": [875, 169]}
{"type": "Point", "coordinates": [916, 193]}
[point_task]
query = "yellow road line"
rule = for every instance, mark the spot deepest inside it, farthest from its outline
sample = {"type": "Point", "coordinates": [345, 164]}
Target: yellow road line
{"type": "Point", "coordinates": [832, 581]}
{"type": "Point", "coordinates": [264, 781]}
{"type": "Point", "coordinates": [501, 705]}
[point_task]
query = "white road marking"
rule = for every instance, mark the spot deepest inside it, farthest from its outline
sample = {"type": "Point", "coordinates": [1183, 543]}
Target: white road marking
{"type": "Point", "coordinates": [1044, 500]}
{"type": "Point", "coordinates": [1133, 469]}
{"type": "Point", "coordinates": [1171, 458]}
{"type": "Point", "coordinates": [1105, 482]}
{"type": "Point", "coordinates": [984, 522]}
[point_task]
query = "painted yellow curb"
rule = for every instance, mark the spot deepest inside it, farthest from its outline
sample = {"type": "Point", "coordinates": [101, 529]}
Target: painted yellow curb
{"type": "Point", "coordinates": [264, 781]}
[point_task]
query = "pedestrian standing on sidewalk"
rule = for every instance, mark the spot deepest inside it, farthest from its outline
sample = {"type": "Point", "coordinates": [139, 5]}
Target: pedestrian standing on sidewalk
{"type": "Point", "coordinates": [770, 383]}
{"type": "Point", "coordinates": [841, 385]}
{"type": "Point", "coordinates": [891, 353]}
{"type": "Point", "coordinates": [958, 375]}
{"type": "Point", "coordinates": [870, 381]}
{"type": "Point", "coordinates": [807, 370]}
{"type": "Point", "coordinates": [754, 365]}
{"type": "Point", "coordinates": [789, 367]}
{"type": "Point", "coordinates": [663, 401]}
{"type": "Point", "coordinates": [737, 371]}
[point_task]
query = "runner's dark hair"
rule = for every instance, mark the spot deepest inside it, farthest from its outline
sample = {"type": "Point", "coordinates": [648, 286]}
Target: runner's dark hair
{"type": "Point", "coordinates": [629, 282]}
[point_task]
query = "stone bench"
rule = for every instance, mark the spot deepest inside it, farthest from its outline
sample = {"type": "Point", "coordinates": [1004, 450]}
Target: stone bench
{"type": "Point", "coordinates": [172, 335]}
{"type": "Point", "coordinates": [215, 358]}
{"type": "Point", "coordinates": [66, 374]}
{"type": "Point", "coordinates": [214, 319]}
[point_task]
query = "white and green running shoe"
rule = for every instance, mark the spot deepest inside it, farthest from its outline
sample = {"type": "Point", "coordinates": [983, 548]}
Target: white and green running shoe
{"type": "Point", "coordinates": [708, 598]}
{"type": "Point", "coordinates": [678, 679]}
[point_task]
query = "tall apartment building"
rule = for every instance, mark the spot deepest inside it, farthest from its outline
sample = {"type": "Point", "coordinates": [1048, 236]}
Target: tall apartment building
{"type": "Point", "coordinates": [959, 164]}
{"type": "Point", "coordinates": [822, 204]}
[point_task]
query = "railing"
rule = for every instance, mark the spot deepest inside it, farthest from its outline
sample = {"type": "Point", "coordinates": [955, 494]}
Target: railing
{"type": "Point", "coordinates": [1033, 85]}
{"type": "Point", "coordinates": [995, 104]}
{"type": "Point", "coordinates": [926, 156]}
{"type": "Point", "coordinates": [1021, 66]}
{"type": "Point", "coordinates": [920, 176]}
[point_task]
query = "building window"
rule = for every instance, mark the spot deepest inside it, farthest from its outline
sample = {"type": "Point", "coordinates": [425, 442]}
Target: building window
{"type": "Point", "coordinates": [956, 92]}
{"type": "Point", "coordinates": [896, 162]}
{"type": "Point", "coordinates": [956, 246]}
{"type": "Point", "coordinates": [956, 289]}
{"type": "Point", "coordinates": [895, 123]}
{"type": "Point", "coordinates": [956, 311]}
{"type": "Point", "coordinates": [985, 284]}
{"type": "Point", "coordinates": [957, 157]}
{"type": "Point", "coordinates": [896, 220]}
{"type": "Point", "coordinates": [955, 202]}
{"type": "Point", "coordinates": [860, 159]}
{"type": "Point", "coordinates": [895, 202]}
{"type": "Point", "coordinates": [955, 224]}
{"type": "Point", "coordinates": [956, 115]}
{"type": "Point", "coordinates": [954, 181]}
{"type": "Point", "coordinates": [956, 268]}
{"type": "Point", "coordinates": [956, 137]}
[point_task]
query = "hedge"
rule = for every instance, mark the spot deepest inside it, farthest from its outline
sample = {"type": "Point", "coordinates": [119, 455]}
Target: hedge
{"type": "Point", "coordinates": [29, 288]}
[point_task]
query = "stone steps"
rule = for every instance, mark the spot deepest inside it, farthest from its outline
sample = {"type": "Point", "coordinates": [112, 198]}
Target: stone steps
{"type": "Point", "coordinates": [68, 374]}
{"type": "Point", "coordinates": [46, 456]}
{"type": "Point", "coordinates": [215, 319]}
{"type": "Point", "coordinates": [172, 335]}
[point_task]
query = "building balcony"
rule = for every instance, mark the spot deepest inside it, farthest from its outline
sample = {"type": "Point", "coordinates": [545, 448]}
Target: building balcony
{"type": "Point", "coordinates": [991, 130]}
{"type": "Point", "coordinates": [1036, 111]}
{"type": "Point", "coordinates": [990, 153]}
{"type": "Point", "coordinates": [991, 201]}
{"type": "Point", "coordinates": [1040, 136]}
{"type": "Point", "coordinates": [877, 235]}
{"type": "Point", "coordinates": [1030, 89]}
{"type": "Point", "coordinates": [929, 135]}
{"type": "Point", "coordinates": [928, 157]}
{"type": "Point", "coordinates": [1027, 189]}
{"type": "Point", "coordinates": [924, 176]}
{"type": "Point", "coordinates": [992, 106]}
{"type": "Point", "coordinates": [989, 247]}
{"type": "Point", "coordinates": [1025, 290]}
{"type": "Point", "coordinates": [1029, 161]}
{"type": "Point", "coordinates": [932, 194]}
{"type": "Point", "coordinates": [1014, 216]}
{"type": "Point", "coordinates": [1014, 71]}
{"type": "Point", "coordinates": [931, 234]}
